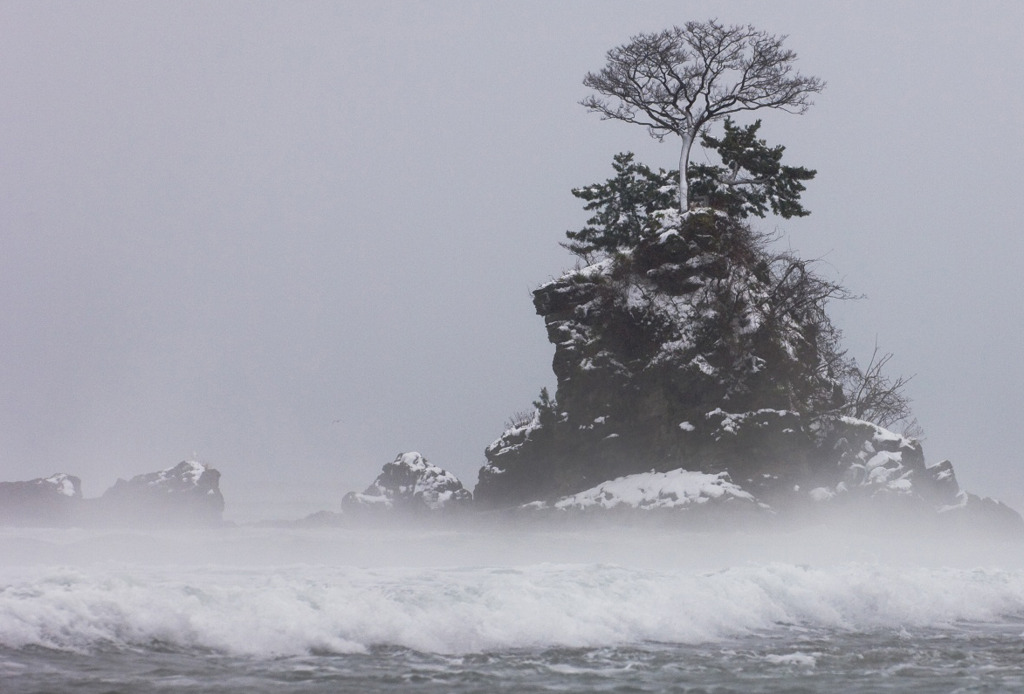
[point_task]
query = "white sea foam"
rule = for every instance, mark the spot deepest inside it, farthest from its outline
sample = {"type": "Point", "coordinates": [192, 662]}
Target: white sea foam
{"type": "Point", "coordinates": [274, 591]}
{"type": "Point", "coordinates": [303, 609]}
{"type": "Point", "coordinates": [793, 659]}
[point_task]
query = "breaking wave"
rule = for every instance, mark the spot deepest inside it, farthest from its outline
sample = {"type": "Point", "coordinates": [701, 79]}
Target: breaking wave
{"type": "Point", "coordinates": [303, 609]}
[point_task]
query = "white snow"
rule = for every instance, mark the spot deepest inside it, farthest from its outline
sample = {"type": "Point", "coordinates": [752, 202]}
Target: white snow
{"type": "Point", "coordinates": [881, 434]}
{"type": "Point", "coordinates": [884, 459]}
{"type": "Point", "coordinates": [513, 438]}
{"type": "Point", "coordinates": [901, 485]}
{"type": "Point", "coordinates": [732, 420]}
{"type": "Point", "coordinates": [657, 490]}
{"type": "Point", "coordinates": [821, 493]}
{"type": "Point", "coordinates": [435, 486]}
{"type": "Point", "coordinates": [63, 483]}
{"type": "Point", "coordinates": [961, 501]}
{"type": "Point", "coordinates": [192, 472]}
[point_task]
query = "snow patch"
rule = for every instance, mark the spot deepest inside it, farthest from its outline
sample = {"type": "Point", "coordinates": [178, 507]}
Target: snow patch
{"type": "Point", "coordinates": [657, 490]}
{"type": "Point", "coordinates": [188, 471]}
{"type": "Point", "coordinates": [821, 494]}
{"type": "Point", "coordinates": [410, 478]}
{"type": "Point", "coordinates": [63, 482]}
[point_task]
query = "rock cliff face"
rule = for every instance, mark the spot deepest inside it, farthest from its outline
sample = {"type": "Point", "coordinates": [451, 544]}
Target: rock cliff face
{"type": "Point", "coordinates": [53, 501]}
{"type": "Point", "coordinates": [693, 353]}
{"type": "Point", "coordinates": [409, 484]}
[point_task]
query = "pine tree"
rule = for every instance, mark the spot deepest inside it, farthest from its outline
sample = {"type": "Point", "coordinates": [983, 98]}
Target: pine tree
{"type": "Point", "coordinates": [752, 178]}
{"type": "Point", "coordinates": [625, 207]}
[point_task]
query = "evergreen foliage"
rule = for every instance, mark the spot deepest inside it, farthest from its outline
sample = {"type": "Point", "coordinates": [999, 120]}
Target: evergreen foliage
{"type": "Point", "coordinates": [752, 178]}
{"type": "Point", "coordinates": [793, 358]}
{"type": "Point", "coordinates": [632, 206]}
{"type": "Point", "coordinates": [546, 408]}
{"type": "Point", "coordinates": [625, 207]}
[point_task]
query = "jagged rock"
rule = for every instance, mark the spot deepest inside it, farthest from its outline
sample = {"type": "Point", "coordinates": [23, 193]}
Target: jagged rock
{"type": "Point", "coordinates": [845, 464]}
{"type": "Point", "coordinates": [409, 483]}
{"type": "Point", "coordinates": [186, 494]}
{"type": "Point", "coordinates": [45, 502]}
{"type": "Point", "coordinates": [647, 344]}
{"type": "Point", "coordinates": [975, 512]}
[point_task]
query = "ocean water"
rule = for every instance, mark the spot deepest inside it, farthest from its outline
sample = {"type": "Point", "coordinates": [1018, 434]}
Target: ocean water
{"type": "Point", "coordinates": [529, 610]}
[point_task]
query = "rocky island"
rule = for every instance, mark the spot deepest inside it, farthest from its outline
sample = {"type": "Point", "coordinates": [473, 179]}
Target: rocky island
{"type": "Point", "coordinates": [698, 374]}
{"type": "Point", "coordinates": [187, 494]}
{"type": "Point", "coordinates": [697, 367]}
{"type": "Point", "coordinates": [696, 370]}
{"type": "Point", "coordinates": [409, 484]}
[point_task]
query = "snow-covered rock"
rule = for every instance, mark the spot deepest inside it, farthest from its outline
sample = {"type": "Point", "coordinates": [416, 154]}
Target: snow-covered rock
{"type": "Point", "coordinates": [49, 501]}
{"type": "Point", "coordinates": [700, 351]}
{"type": "Point", "coordinates": [879, 462]}
{"type": "Point", "coordinates": [675, 489]}
{"type": "Point", "coordinates": [647, 343]}
{"type": "Point", "coordinates": [186, 494]}
{"type": "Point", "coordinates": [409, 483]}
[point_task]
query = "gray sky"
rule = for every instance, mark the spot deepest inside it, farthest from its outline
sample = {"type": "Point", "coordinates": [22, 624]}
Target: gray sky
{"type": "Point", "coordinates": [297, 239]}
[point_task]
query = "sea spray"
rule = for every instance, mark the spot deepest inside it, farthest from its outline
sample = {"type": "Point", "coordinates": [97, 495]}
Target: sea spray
{"type": "Point", "coordinates": [304, 609]}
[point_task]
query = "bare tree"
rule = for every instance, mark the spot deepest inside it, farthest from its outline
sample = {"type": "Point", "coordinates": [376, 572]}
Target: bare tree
{"type": "Point", "coordinates": [873, 396]}
{"type": "Point", "coordinates": [679, 80]}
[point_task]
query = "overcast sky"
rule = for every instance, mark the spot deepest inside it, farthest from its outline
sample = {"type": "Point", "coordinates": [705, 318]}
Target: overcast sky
{"type": "Point", "coordinates": [296, 239]}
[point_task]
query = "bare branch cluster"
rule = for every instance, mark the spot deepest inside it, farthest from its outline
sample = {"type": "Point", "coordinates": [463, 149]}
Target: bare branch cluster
{"type": "Point", "coordinates": [519, 419]}
{"type": "Point", "coordinates": [874, 396]}
{"type": "Point", "coordinates": [679, 79]}
{"type": "Point", "coordinates": [798, 291]}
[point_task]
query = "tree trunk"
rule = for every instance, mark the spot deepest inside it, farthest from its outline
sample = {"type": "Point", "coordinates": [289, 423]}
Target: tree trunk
{"type": "Point", "coordinates": [684, 181]}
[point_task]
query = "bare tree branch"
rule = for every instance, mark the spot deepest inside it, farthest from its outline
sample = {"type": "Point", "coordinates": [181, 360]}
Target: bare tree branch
{"type": "Point", "coordinates": [874, 396]}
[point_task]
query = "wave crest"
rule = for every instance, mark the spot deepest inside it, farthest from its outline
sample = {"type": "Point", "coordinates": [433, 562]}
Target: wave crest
{"type": "Point", "coordinates": [304, 609]}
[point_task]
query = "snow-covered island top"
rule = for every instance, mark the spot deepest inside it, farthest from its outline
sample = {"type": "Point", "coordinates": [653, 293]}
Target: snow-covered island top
{"type": "Point", "coordinates": [410, 483]}
{"type": "Point", "coordinates": [66, 485]}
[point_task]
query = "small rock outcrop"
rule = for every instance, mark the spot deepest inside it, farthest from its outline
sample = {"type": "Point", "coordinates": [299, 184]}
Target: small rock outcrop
{"type": "Point", "coordinates": [52, 501]}
{"type": "Point", "coordinates": [186, 494]}
{"type": "Point", "coordinates": [409, 484]}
